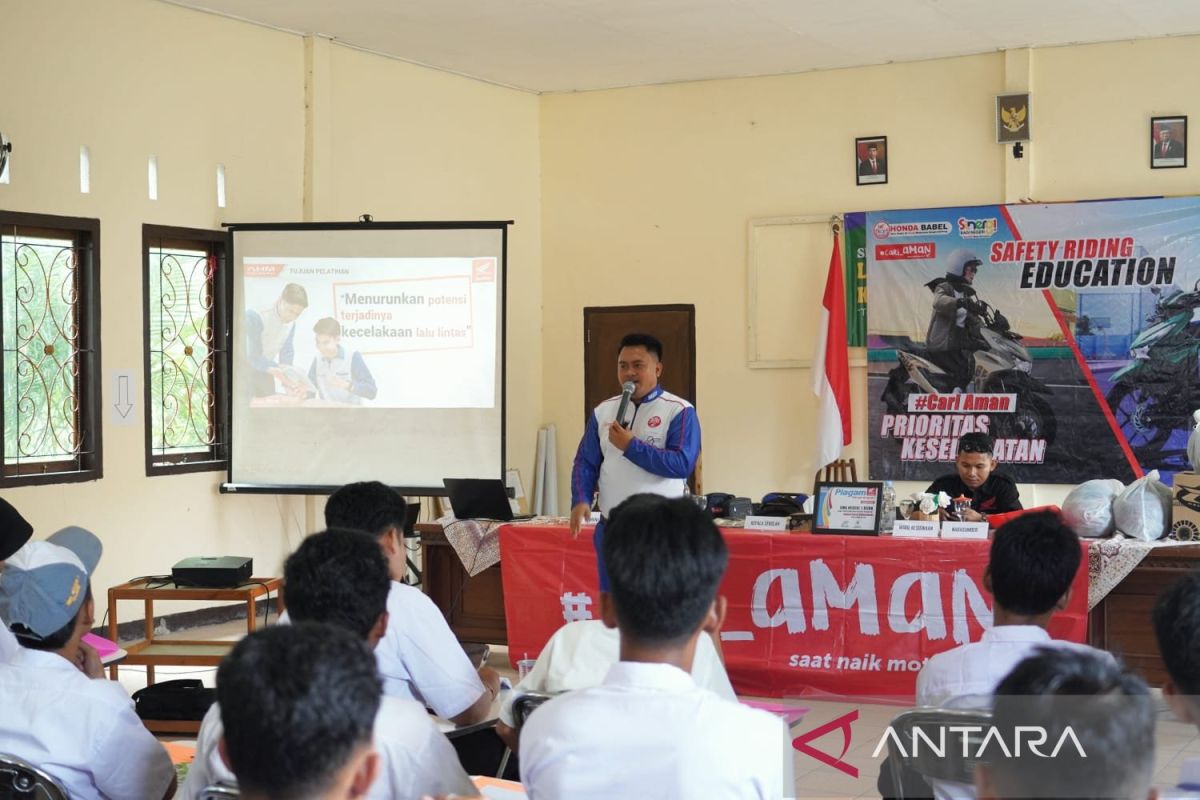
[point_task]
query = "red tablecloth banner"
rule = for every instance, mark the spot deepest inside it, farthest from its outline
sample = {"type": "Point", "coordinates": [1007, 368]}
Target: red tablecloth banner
{"type": "Point", "coordinates": [808, 614]}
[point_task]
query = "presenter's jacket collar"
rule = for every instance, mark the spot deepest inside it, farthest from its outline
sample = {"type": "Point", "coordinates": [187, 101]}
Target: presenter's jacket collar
{"type": "Point", "coordinates": [650, 395]}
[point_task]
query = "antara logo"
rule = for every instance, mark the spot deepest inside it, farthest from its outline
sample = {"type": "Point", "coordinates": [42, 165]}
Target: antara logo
{"type": "Point", "coordinates": [841, 723]}
{"type": "Point", "coordinates": [975, 746]}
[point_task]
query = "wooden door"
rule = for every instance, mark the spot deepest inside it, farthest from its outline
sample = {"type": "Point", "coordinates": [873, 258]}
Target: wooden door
{"type": "Point", "coordinates": [603, 327]}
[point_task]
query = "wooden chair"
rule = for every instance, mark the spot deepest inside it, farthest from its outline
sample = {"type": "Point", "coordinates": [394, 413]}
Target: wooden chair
{"type": "Point", "coordinates": [842, 470]}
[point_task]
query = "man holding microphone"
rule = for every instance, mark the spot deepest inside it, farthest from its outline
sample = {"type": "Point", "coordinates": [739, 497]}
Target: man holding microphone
{"type": "Point", "coordinates": [643, 440]}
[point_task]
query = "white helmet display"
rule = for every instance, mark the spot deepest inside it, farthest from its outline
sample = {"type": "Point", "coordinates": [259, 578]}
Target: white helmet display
{"type": "Point", "coordinates": [960, 259]}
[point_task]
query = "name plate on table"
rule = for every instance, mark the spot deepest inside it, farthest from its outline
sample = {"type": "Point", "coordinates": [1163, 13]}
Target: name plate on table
{"type": "Point", "coordinates": [754, 523]}
{"type": "Point", "coordinates": [917, 528]}
{"type": "Point", "coordinates": [964, 530]}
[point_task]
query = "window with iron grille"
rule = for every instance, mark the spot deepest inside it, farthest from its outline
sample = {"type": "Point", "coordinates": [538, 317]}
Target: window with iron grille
{"type": "Point", "coordinates": [187, 349]}
{"type": "Point", "coordinates": [50, 283]}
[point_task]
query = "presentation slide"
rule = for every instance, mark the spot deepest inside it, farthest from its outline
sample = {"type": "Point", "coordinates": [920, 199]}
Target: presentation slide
{"type": "Point", "coordinates": [355, 331]}
{"type": "Point", "coordinates": [367, 352]}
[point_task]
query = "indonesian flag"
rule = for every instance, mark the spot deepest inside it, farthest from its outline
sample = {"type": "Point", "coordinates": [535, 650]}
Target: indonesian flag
{"type": "Point", "coordinates": [831, 367]}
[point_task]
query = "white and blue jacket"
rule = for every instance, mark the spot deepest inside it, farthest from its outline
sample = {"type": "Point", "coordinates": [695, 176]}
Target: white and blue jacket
{"type": "Point", "coordinates": [659, 460]}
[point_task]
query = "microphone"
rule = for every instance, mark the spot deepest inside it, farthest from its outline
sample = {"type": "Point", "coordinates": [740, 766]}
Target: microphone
{"type": "Point", "coordinates": [627, 391]}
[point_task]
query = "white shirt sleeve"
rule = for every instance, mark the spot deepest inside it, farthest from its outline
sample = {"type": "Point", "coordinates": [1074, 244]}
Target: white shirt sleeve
{"type": "Point", "coordinates": [207, 767]}
{"type": "Point", "coordinates": [417, 759]}
{"type": "Point", "coordinates": [8, 644]}
{"type": "Point", "coordinates": [420, 649]}
{"type": "Point", "coordinates": [534, 681]}
{"type": "Point", "coordinates": [128, 762]}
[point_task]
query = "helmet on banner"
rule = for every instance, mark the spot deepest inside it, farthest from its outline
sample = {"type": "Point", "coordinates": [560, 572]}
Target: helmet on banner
{"type": "Point", "coordinates": [960, 259]}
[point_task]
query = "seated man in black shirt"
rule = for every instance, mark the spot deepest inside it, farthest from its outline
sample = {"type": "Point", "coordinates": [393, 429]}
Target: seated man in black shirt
{"type": "Point", "coordinates": [990, 492]}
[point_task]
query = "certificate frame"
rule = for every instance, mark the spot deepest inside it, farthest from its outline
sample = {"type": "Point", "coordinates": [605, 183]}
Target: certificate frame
{"type": "Point", "coordinates": [842, 507]}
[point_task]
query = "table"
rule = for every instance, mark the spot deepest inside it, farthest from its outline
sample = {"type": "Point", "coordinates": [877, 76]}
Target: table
{"type": "Point", "coordinates": [1120, 621]}
{"type": "Point", "coordinates": [807, 614]}
{"type": "Point", "coordinates": [473, 606]}
{"type": "Point", "coordinates": [151, 652]}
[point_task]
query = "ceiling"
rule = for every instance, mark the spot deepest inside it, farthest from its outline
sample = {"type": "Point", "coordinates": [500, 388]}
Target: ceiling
{"type": "Point", "coordinates": [578, 45]}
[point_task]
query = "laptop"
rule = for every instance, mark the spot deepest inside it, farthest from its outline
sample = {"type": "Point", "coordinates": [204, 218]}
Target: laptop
{"type": "Point", "coordinates": [480, 498]}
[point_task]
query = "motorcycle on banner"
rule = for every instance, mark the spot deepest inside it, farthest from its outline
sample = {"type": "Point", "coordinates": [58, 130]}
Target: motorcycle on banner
{"type": "Point", "coordinates": [1155, 393]}
{"type": "Point", "coordinates": [996, 361]}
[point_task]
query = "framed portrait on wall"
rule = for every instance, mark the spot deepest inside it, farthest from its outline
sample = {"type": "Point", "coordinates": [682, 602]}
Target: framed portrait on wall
{"type": "Point", "coordinates": [870, 160]}
{"type": "Point", "coordinates": [1168, 142]}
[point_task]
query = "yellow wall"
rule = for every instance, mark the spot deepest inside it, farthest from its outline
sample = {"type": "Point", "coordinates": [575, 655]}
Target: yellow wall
{"type": "Point", "coordinates": [646, 197]}
{"type": "Point", "coordinates": [632, 196]}
{"type": "Point", "coordinates": [647, 192]}
{"type": "Point", "coordinates": [1094, 104]}
{"type": "Point", "coordinates": [130, 78]}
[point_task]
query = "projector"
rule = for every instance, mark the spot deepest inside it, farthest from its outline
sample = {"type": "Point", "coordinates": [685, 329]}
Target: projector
{"type": "Point", "coordinates": [213, 572]}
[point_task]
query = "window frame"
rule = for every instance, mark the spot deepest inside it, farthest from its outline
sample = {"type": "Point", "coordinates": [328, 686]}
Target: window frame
{"type": "Point", "coordinates": [89, 461]}
{"type": "Point", "coordinates": [218, 243]}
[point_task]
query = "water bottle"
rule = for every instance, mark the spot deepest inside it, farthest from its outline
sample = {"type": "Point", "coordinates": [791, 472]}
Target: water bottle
{"type": "Point", "coordinates": [887, 514]}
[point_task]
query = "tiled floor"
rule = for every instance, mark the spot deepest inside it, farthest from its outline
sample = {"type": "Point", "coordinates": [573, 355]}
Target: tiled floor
{"type": "Point", "coordinates": [1176, 741]}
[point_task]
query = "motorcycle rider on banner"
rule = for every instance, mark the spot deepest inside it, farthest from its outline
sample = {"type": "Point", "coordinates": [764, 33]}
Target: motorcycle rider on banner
{"type": "Point", "coordinates": [949, 339]}
{"type": "Point", "coordinates": [971, 344]}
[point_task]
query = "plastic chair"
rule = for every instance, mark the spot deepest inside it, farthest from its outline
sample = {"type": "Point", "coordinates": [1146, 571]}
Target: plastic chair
{"type": "Point", "coordinates": [956, 763]}
{"type": "Point", "coordinates": [523, 706]}
{"type": "Point", "coordinates": [20, 780]}
{"type": "Point", "coordinates": [219, 791]}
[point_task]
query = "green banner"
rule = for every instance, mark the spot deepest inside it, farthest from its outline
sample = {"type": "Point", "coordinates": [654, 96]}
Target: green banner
{"type": "Point", "coordinates": [855, 257]}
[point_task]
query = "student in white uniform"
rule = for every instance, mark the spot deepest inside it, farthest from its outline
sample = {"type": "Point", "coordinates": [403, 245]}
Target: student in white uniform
{"type": "Point", "coordinates": [1031, 566]}
{"type": "Point", "coordinates": [1110, 716]}
{"type": "Point", "coordinates": [419, 656]}
{"type": "Point", "coordinates": [14, 532]}
{"type": "Point", "coordinates": [299, 703]}
{"type": "Point", "coordinates": [579, 655]}
{"type": "Point", "coordinates": [648, 730]}
{"type": "Point", "coordinates": [56, 709]}
{"type": "Point", "coordinates": [1176, 619]}
{"type": "Point", "coordinates": [340, 577]}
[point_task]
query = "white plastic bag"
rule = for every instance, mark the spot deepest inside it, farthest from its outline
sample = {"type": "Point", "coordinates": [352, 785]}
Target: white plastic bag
{"type": "Point", "coordinates": [1143, 509]}
{"type": "Point", "coordinates": [1088, 509]}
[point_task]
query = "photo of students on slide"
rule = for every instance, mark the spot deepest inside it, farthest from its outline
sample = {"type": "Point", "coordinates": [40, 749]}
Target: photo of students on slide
{"type": "Point", "coordinates": [270, 341]}
{"type": "Point", "coordinates": [339, 376]}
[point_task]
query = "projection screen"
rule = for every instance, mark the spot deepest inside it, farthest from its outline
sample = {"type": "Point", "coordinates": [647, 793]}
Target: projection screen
{"type": "Point", "coordinates": [367, 352]}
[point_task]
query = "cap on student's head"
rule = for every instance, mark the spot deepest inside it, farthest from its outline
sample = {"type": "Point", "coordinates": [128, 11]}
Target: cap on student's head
{"type": "Point", "coordinates": [14, 530]}
{"type": "Point", "coordinates": [45, 583]}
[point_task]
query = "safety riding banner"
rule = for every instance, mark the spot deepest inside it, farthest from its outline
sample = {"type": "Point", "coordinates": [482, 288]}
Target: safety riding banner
{"type": "Point", "coordinates": [1064, 331]}
{"type": "Point", "coordinates": [807, 614]}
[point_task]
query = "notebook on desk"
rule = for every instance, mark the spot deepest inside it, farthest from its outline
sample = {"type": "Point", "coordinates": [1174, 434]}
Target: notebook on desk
{"type": "Point", "coordinates": [480, 498]}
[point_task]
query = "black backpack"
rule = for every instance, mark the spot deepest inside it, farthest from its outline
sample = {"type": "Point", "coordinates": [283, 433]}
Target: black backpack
{"type": "Point", "coordinates": [781, 504]}
{"type": "Point", "coordinates": [183, 699]}
{"type": "Point", "coordinates": [718, 503]}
